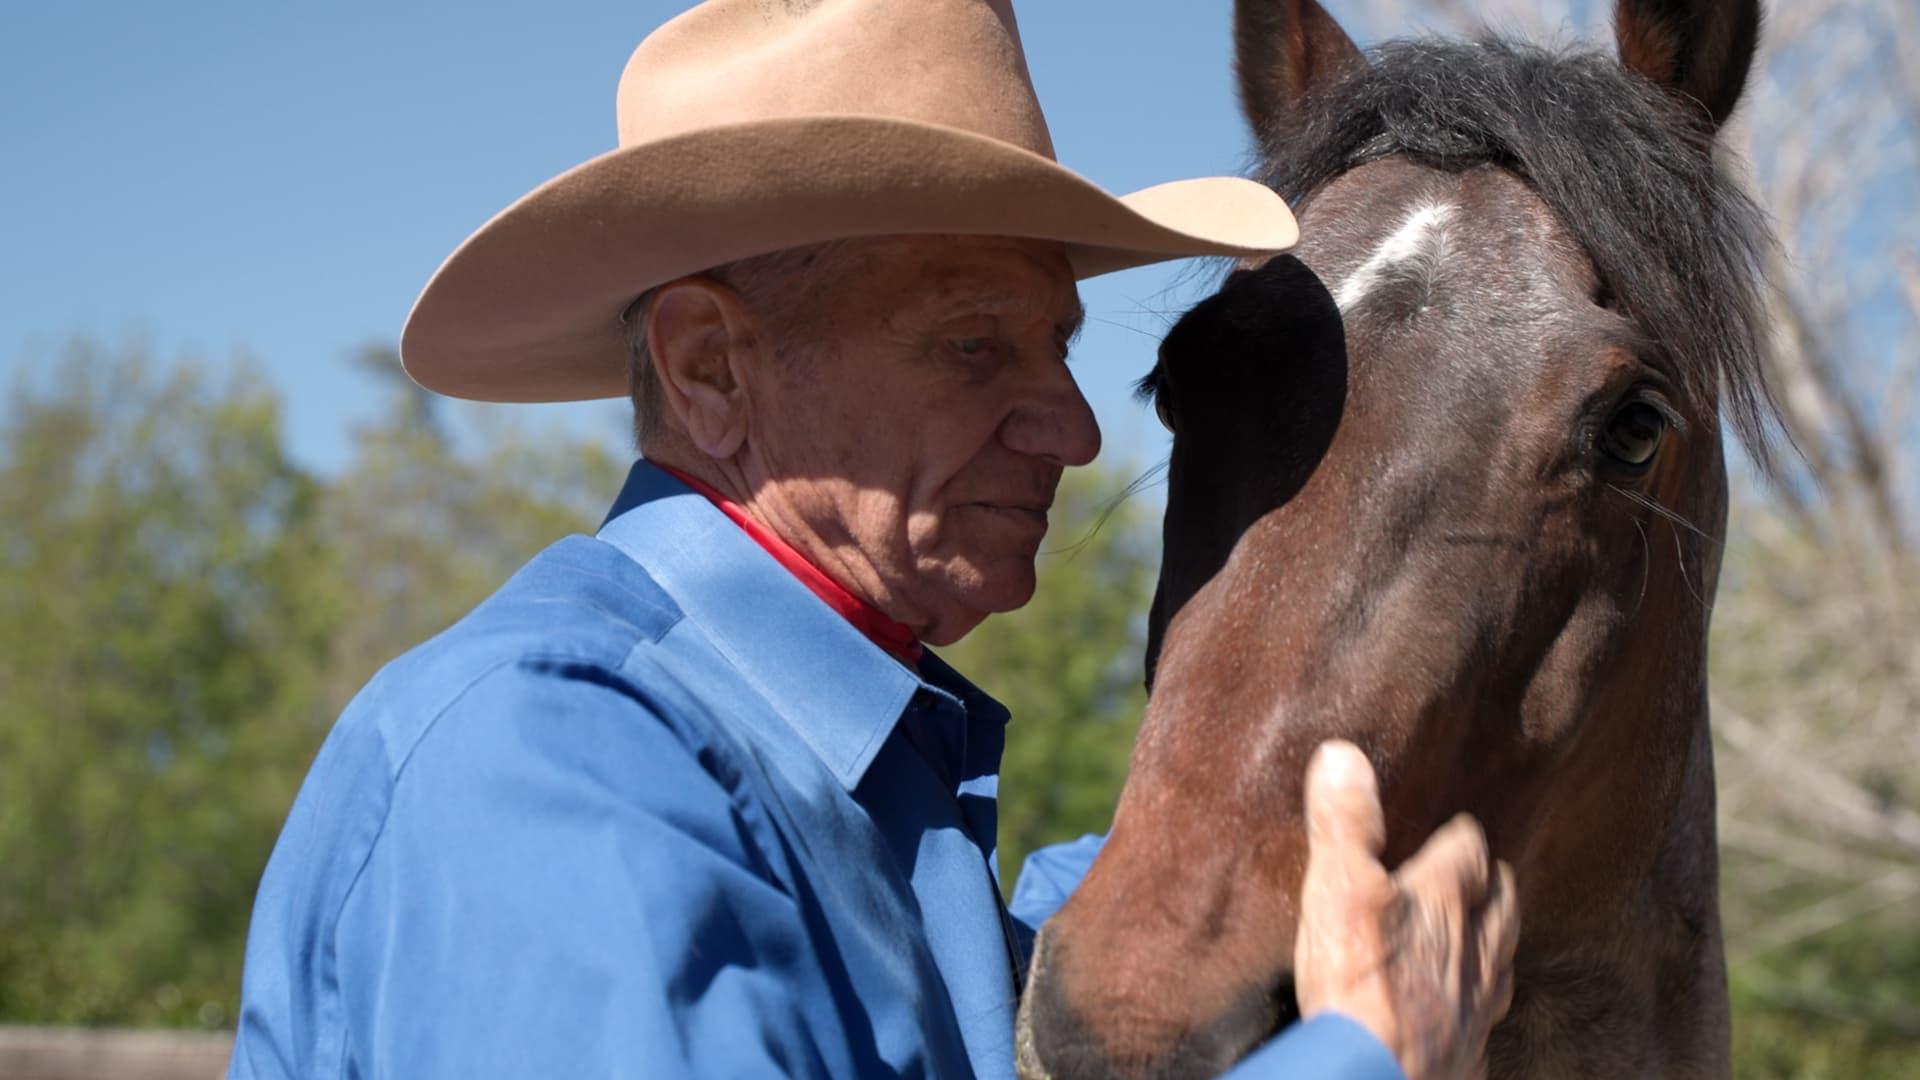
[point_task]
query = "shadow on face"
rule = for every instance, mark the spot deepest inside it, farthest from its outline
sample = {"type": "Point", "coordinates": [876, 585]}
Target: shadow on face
{"type": "Point", "coordinates": [1253, 383]}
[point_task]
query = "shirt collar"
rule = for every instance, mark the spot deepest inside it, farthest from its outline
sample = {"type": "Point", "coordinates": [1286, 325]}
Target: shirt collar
{"type": "Point", "coordinates": [842, 693]}
{"type": "Point", "coordinates": [888, 633]}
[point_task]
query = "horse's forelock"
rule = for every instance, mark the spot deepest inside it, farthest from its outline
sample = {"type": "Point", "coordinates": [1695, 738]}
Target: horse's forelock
{"type": "Point", "coordinates": [1629, 171]}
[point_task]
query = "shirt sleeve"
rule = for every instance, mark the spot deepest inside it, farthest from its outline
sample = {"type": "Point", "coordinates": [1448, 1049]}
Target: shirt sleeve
{"type": "Point", "coordinates": [1327, 1047]}
{"type": "Point", "coordinates": [1048, 876]}
{"type": "Point", "coordinates": [565, 887]}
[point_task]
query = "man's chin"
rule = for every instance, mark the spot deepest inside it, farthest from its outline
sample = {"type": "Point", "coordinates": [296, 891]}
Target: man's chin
{"type": "Point", "coordinates": [1000, 588]}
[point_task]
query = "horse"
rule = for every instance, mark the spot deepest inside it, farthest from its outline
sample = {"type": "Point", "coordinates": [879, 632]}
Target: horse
{"type": "Point", "coordinates": [1446, 481]}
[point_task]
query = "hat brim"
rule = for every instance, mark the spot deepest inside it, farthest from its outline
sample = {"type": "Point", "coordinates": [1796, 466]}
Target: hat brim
{"type": "Point", "coordinates": [529, 307]}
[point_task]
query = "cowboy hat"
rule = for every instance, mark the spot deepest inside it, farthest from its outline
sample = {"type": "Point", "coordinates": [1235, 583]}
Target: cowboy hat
{"type": "Point", "coordinates": [751, 126]}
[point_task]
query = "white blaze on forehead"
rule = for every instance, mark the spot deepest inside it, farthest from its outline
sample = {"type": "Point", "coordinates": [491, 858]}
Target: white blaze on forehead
{"type": "Point", "coordinates": [1421, 236]}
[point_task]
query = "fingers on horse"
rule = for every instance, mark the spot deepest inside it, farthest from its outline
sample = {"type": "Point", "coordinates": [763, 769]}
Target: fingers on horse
{"type": "Point", "coordinates": [1500, 937]}
{"type": "Point", "coordinates": [1343, 803]}
{"type": "Point", "coordinates": [1452, 868]}
{"type": "Point", "coordinates": [1346, 831]}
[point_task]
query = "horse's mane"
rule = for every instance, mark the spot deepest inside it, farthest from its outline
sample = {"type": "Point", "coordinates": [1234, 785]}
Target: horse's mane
{"type": "Point", "coordinates": [1627, 168]}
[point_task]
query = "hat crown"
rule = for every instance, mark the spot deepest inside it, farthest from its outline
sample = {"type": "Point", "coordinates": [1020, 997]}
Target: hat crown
{"type": "Point", "coordinates": [953, 63]}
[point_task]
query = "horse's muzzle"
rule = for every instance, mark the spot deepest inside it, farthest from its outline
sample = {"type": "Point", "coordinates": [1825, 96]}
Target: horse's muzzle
{"type": "Point", "coordinates": [1071, 1027]}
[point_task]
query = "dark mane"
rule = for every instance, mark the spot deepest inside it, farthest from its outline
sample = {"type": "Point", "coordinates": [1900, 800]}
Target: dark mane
{"type": "Point", "coordinates": [1628, 169]}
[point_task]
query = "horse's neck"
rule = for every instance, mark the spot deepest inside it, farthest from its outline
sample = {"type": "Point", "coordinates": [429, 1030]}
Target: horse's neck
{"type": "Point", "coordinates": [1643, 993]}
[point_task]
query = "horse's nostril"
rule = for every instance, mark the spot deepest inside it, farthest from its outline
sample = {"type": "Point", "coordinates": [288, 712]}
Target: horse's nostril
{"type": "Point", "coordinates": [1052, 1040]}
{"type": "Point", "coordinates": [1072, 1025]}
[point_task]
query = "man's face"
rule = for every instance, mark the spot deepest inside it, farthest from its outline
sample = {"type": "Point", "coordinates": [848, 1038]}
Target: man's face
{"type": "Point", "coordinates": [914, 413]}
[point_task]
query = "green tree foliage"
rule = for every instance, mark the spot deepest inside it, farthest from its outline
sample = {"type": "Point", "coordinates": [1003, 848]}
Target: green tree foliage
{"type": "Point", "coordinates": [160, 645]}
{"type": "Point", "coordinates": [183, 611]}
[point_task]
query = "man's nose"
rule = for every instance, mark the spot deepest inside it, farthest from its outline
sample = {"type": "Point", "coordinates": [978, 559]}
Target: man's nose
{"type": "Point", "coordinates": [1054, 422]}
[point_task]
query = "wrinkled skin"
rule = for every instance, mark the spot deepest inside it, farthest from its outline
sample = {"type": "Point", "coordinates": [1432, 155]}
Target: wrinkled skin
{"type": "Point", "coordinates": [1416, 518]}
{"type": "Point", "coordinates": [900, 410]}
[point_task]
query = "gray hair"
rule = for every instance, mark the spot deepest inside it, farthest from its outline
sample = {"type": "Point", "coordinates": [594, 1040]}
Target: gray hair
{"type": "Point", "coordinates": [774, 284]}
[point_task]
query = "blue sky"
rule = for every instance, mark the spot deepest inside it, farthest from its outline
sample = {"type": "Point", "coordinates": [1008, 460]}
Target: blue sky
{"type": "Point", "coordinates": [219, 178]}
{"type": "Point", "coordinates": [281, 179]}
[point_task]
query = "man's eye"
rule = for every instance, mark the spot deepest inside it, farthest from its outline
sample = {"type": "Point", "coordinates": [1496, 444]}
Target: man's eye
{"type": "Point", "coordinates": [973, 346]}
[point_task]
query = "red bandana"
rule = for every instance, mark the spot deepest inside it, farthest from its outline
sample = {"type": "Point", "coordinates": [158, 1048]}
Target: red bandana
{"type": "Point", "coordinates": [895, 637]}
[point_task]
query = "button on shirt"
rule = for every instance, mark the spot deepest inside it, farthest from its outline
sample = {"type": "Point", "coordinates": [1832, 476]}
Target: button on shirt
{"type": "Point", "coordinates": [653, 809]}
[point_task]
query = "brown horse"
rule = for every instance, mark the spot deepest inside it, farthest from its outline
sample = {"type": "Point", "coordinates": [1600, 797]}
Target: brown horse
{"type": "Point", "coordinates": [1446, 482]}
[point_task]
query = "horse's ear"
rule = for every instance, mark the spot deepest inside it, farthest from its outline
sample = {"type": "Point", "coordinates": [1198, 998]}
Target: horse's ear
{"type": "Point", "coordinates": [1284, 49]}
{"type": "Point", "coordinates": [1698, 48]}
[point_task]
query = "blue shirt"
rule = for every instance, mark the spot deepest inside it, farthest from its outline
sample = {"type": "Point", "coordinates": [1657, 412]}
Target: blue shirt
{"type": "Point", "coordinates": [653, 809]}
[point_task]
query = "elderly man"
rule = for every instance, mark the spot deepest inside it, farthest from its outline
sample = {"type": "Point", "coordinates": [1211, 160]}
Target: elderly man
{"type": "Point", "coordinates": [689, 797]}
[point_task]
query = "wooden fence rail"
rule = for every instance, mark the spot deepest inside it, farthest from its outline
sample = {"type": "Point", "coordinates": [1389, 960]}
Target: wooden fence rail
{"type": "Point", "coordinates": [28, 1053]}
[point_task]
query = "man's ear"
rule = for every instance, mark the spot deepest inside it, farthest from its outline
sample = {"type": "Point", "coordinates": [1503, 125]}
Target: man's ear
{"type": "Point", "coordinates": [701, 335]}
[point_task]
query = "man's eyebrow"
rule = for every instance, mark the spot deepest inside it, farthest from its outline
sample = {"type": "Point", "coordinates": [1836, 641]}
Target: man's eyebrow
{"type": "Point", "coordinates": [1069, 325]}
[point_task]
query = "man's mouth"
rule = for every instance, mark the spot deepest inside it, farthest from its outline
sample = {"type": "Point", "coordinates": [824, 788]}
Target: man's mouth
{"type": "Point", "coordinates": [1028, 513]}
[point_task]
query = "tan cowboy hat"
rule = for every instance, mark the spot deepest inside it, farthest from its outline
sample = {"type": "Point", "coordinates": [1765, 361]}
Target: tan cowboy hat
{"type": "Point", "coordinates": [750, 126]}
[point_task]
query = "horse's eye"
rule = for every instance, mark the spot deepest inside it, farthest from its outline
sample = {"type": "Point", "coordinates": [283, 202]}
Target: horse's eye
{"type": "Point", "coordinates": [1632, 434]}
{"type": "Point", "coordinates": [1162, 410]}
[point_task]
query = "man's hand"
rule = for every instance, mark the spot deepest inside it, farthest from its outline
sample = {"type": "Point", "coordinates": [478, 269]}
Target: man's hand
{"type": "Point", "coordinates": [1422, 957]}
